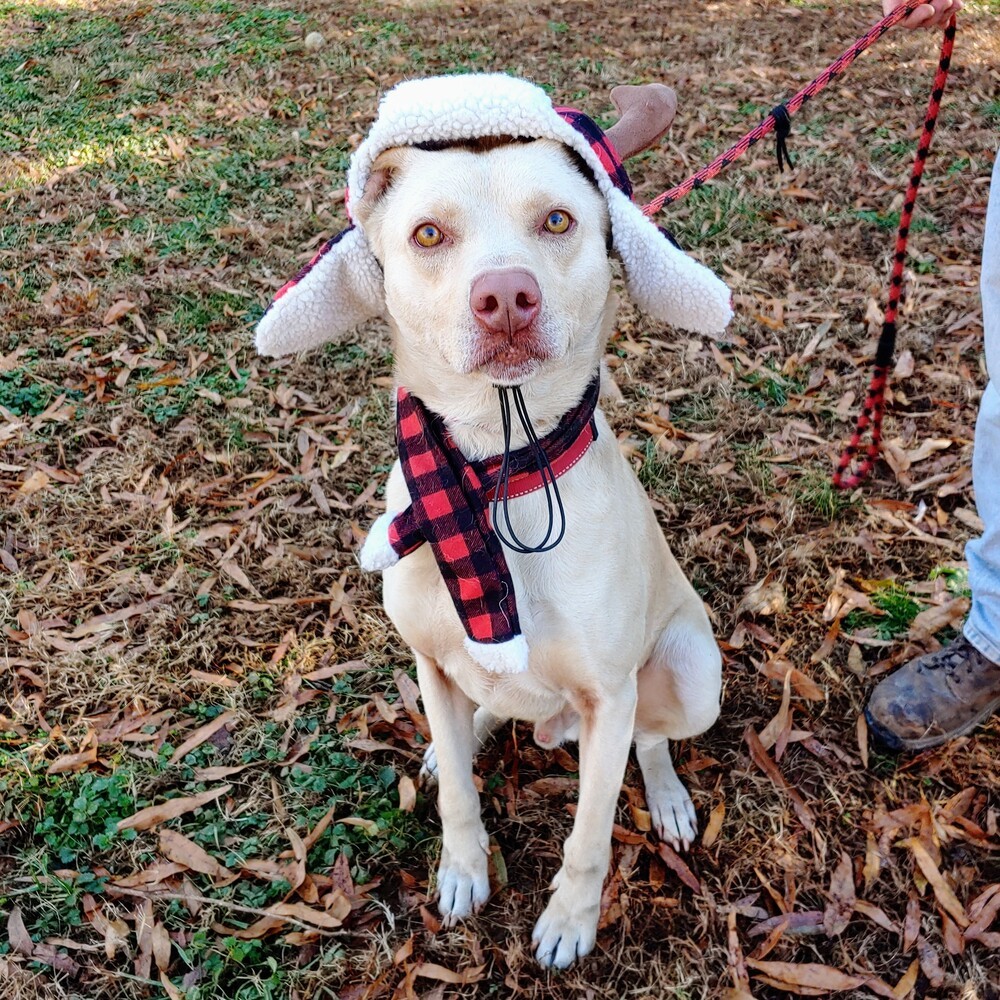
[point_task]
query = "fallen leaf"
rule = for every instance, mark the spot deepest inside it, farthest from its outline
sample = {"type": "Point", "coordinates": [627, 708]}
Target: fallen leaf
{"type": "Point", "coordinates": [407, 794]}
{"type": "Point", "coordinates": [116, 311]}
{"type": "Point", "coordinates": [876, 915]}
{"type": "Point", "coordinates": [201, 734]}
{"type": "Point", "coordinates": [809, 974]}
{"type": "Point", "coordinates": [319, 829]}
{"type": "Point", "coordinates": [73, 761]}
{"type": "Point", "coordinates": [17, 933]}
{"type": "Point", "coordinates": [873, 861]}
{"type": "Point", "coordinates": [929, 962]}
{"type": "Point", "coordinates": [296, 873]}
{"type": "Point", "coordinates": [320, 918]}
{"type": "Point", "coordinates": [428, 970]}
{"type": "Point", "coordinates": [842, 898]}
{"type": "Point", "coordinates": [38, 480]}
{"type": "Point", "coordinates": [146, 819]}
{"type": "Point", "coordinates": [168, 987]}
{"type": "Point", "coordinates": [714, 825]}
{"type": "Point", "coordinates": [911, 925]}
{"type": "Point", "coordinates": [943, 892]}
{"type": "Point", "coordinates": [983, 911]}
{"type": "Point", "coordinates": [953, 939]}
{"type": "Point", "coordinates": [767, 765]}
{"type": "Point", "coordinates": [806, 922]}
{"type": "Point", "coordinates": [766, 597]}
{"type": "Point", "coordinates": [736, 959]}
{"type": "Point", "coordinates": [677, 865]}
{"type": "Point", "coordinates": [176, 847]}
{"type": "Point", "coordinates": [907, 981]}
{"type": "Point", "coordinates": [161, 947]}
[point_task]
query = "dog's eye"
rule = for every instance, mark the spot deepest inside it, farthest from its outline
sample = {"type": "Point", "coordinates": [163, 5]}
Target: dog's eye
{"type": "Point", "coordinates": [558, 222]}
{"type": "Point", "coordinates": [427, 235]}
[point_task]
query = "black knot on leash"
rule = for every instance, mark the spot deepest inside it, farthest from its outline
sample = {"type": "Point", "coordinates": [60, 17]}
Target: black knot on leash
{"type": "Point", "coordinates": [782, 130]}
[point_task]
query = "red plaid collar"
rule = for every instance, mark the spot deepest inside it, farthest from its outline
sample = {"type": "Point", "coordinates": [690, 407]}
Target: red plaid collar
{"type": "Point", "coordinates": [449, 498]}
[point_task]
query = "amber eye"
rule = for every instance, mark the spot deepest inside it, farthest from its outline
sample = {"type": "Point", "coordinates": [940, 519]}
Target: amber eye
{"type": "Point", "coordinates": [558, 222]}
{"type": "Point", "coordinates": [428, 235]}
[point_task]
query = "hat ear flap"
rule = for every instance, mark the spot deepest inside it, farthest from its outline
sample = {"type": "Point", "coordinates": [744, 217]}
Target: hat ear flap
{"type": "Point", "coordinates": [339, 289]}
{"type": "Point", "coordinates": [663, 281]}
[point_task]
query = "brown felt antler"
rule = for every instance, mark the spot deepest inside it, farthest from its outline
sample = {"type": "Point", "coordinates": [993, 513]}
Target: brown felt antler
{"type": "Point", "coordinates": [645, 114]}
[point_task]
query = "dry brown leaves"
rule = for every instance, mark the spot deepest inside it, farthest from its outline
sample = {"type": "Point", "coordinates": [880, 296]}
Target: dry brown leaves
{"type": "Point", "coordinates": [119, 534]}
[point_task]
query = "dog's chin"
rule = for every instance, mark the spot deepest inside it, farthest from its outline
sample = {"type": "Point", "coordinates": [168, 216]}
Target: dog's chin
{"type": "Point", "coordinates": [511, 374]}
{"type": "Point", "coordinates": [510, 364]}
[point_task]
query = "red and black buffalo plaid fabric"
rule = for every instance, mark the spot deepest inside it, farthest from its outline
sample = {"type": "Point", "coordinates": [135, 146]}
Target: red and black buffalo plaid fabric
{"type": "Point", "coordinates": [449, 507]}
{"type": "Point", "coordinates": [601, 145]}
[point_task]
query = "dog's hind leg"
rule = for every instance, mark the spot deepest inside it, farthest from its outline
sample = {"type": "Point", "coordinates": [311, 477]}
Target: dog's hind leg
{"type": "Point", "coordinates": [463, 883]}
{"type": "Point", "coordinates": [670, 807]}
{"type": "Point", "coordinates": [679, 690]}
{"type": "Point", "coordinates": [484, 725]}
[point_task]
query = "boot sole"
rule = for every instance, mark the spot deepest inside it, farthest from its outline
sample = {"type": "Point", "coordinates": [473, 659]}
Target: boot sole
{"type": "Point", "coordinates": [891, 741]}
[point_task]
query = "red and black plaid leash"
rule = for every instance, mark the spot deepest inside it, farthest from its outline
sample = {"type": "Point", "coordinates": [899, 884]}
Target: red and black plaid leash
{"type": "Point", "coordinates": [779, 120]}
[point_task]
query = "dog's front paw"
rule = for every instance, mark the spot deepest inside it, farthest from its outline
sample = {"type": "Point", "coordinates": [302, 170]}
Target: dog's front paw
{"type": "Point", "coordinates": [377, 553]}
{"type": "Point", "coordinates": [673, 814]}
{"type": "Point", "coordinates": [463, 881]}
{"type": "Point", "coordinates": [567, 930]}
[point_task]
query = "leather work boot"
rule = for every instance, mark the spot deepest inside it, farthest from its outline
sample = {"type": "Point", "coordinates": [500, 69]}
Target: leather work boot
{"type": "Point", "coordinates": [934, 698]}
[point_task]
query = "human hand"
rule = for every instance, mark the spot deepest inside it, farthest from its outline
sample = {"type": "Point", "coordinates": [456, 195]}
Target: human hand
{"type": "Point", "coordinates": [934, 14]}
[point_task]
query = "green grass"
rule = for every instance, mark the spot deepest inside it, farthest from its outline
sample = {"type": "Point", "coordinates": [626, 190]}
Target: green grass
{"type": "Point", "coordinates": [890, 221]}
{"type": "Point", "coordinates": [817, 494]}
{"type": "Point", "coordinates": [768, 386]}
{"type": "Point", "coordinates": [658, 472]}
{"type": "Point", "coordinates": [956, 579]}
{"type": "Point", "coordinates": [69, 842]}
{"type": "Point", "coordinates": [715, 215]}
{"type": "Point", "coordinates": [694, 410]}
{"type": "Point", "coordinates": [26, 392]}
{"type": "Point", "coordinates": [897, 607]}
{"type": "Point", "coordinates": [752, 462]}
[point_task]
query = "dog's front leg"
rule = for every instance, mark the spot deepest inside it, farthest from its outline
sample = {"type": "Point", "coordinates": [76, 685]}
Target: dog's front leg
{"type": "Point", "coordinates": [567, 929]}
{"type": "Point", "coordinates": [463, 879]}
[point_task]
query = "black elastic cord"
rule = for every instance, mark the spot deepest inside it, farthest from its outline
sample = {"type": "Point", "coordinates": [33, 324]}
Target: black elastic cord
{"type": "Point", "coordinates": [782, 130]}
{"type": "Point", "coordinates": [501, 493]}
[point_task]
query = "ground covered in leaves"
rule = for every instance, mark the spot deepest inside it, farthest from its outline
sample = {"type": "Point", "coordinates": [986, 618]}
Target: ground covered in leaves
{"type": "Point", "coordinates": [209, 733]}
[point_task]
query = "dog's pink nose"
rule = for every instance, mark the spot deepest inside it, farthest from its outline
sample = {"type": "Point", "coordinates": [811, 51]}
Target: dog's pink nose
{"type": "Point", "coordinates": [505, 301]}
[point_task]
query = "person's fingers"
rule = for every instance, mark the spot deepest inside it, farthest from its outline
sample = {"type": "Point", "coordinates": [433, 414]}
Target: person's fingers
{"type": "Point", "coordinates": [921, 17]}
{"type": "Point", "coordinates": [934, 14]}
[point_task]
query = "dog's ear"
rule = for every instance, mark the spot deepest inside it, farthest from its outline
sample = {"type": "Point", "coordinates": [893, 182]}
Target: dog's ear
{"type": "Point", "coordinates": [385, 168]}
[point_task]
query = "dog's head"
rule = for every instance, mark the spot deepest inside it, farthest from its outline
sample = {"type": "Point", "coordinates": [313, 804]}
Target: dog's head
{"type": "Point", "coordinates": [483, 220]}
{"type": "Point", "coordinates": [495, 255]}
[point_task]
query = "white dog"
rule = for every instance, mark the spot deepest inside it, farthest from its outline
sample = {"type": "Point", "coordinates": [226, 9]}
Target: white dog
{"type": "Point", "coordinates": [493, 259]}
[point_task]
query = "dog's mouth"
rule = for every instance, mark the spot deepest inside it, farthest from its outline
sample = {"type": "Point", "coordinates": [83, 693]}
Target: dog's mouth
{"type": "Point", "coordinates": [510, 362]}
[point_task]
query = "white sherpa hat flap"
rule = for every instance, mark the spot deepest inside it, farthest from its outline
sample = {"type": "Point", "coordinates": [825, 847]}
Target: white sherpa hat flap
{"type": "Point", "coordinates": [338, 290]}
{"type": "Point", "coordinates": [337, 294]}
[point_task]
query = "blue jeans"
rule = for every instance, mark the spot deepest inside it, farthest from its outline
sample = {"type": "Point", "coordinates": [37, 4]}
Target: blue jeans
{"type": "Point", "coordinates": [983, 553]}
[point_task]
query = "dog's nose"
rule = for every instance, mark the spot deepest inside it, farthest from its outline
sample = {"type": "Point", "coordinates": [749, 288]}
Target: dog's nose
{"type": "Point", "coordinates": [505, 301]}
